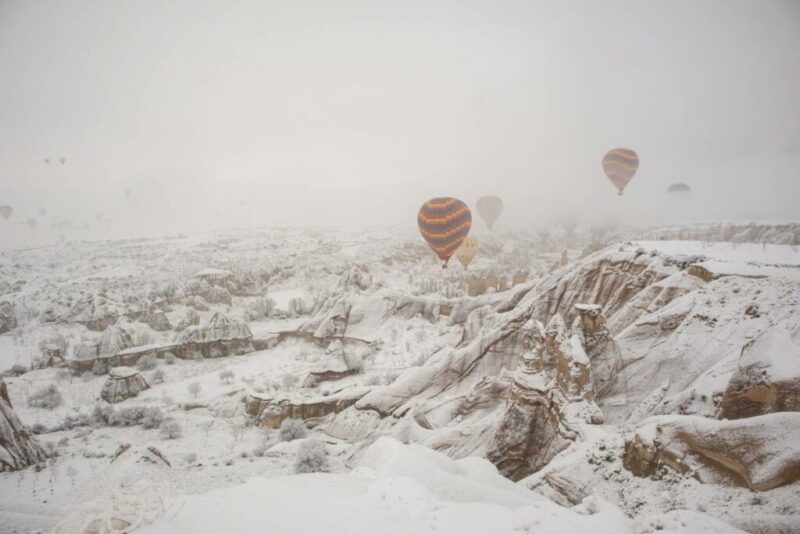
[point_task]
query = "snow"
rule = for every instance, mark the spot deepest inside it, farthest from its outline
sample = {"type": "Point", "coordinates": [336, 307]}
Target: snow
{"type": "Point", "coordinates": [407, 457]}
{"type": "Point", "coordinates": [416, 491]}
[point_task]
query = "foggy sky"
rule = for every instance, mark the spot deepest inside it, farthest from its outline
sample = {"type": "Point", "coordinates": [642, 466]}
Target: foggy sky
{"type": "Point", "coordinates": [223, 114]}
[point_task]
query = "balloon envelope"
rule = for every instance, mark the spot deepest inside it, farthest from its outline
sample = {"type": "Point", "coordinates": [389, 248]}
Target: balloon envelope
{"type": "Point", "coordinates": [679, 188]}
{"type": "Point", "coordinates": [467, 251]}
{"type": "Point", "coordinates": [62, 159]}
{"type": "Point", "coordinates": [444, 222]}
{"type": "Point", "coordinates": [6, 211]}
{"type": "Point", "coordinates": [47, 161]}
{"type": "Point", "coordinates": [620, 164]}
{"type": "Point", "coordinates": [490, 208]}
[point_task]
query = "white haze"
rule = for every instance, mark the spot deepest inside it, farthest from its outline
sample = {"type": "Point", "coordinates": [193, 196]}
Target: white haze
{"type": "Point", "coordinates": [221, 114]}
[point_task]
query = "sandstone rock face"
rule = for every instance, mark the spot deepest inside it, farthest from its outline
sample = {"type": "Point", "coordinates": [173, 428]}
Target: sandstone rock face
{"type": "Point", "coordinates": [122, 383]}
{"type": "Point", "coordinates": [550, 392]}
{"type": "Point", "coordinates": [768, 377]}
{"type": "Point", "coordinates": [757, 452]}
{"type": "Point", "coordinates": [18, 449]}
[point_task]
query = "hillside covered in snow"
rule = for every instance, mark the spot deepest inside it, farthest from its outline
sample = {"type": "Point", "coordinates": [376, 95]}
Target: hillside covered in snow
{"type": "Point", "coordinates": [612, 380]}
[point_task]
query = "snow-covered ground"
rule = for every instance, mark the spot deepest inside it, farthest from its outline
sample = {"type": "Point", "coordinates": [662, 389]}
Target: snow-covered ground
{"type": "Point", "coordinates": [423, 375]}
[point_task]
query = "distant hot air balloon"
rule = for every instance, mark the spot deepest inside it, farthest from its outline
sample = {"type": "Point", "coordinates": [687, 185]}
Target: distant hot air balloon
{"type": "Point", "coordinates": [490, 208]}
{"type": "Point", "coordinates": [42, 212]}
{"type": "Point", "coordinates": [32, 223]}
{"type": "Point", "coordinates": [62, 160]}
{"type": "Point", "coordinates": [444, 222]}
{"type": "Point", "coordinates": [47, 161]}
{"type": "Point", "coordinates": [620, 164]}
{"type": "Point", "coordinates": [467, 251]}
{"type": "Point", "coordinates": [6, 212]}
{"type": "Point", "coordinates": [679, 189]}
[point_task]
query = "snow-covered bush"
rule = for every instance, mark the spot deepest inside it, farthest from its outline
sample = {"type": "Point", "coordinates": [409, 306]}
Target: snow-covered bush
{"type": "Point", "coordinates": [289, 381]}
{"type": "Point", "coordinates": [194, 388]}
{"type": "Point", "coordinates": [157, 376]}
{"type": "Point", "coordinates": [170, 428]}
{"type": "Point", "coordinates": [99, 368]}
{"type": "Point", "coordinates": [260, 309]}
{"type": "Point", "coordinates": [152, 418]}
{"type": "Point", "coordinates": [292, 429]}
{"type": "Point", "coordinates": [14, 371]}
{"type": "Point", "coordinates": [102, 413]}
{"type": "Point", "coordinates": [226, 375]}
{"type": "Point", "coordinates": [312, 457]}
{"type": "Point", "coordinates": [147, 362]}
{"type": "Point", "coordinates": [170, 358]}
{"type": "Point", "coordinates": [48, 397]}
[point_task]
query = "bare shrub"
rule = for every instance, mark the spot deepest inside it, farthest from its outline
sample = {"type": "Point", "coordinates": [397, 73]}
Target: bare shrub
{"type": "Point", "coordinates": [48, 397]}
{"type": "Point", "coordinates": [292, 429]}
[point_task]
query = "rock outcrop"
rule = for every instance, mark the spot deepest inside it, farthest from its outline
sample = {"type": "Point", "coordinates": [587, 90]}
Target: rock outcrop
{"type": "Point", "coordinates": [122, 383]}
{"type": "Point", "coordinates": [760, 453]}
{"type": "Point", "coordinates": [159, 322]}
{"type": "Point", "coordinates": [18, 449]}
{"type": "Point", "coordinates": [8, 320]}
{"type": "Point", "coordinates": [115, 338]}
{"type": "Point", "coordinates": [550, 393]}
{"type": "Point", "coordinates": [767, 378]}
{"type": "Point", "coordinates": [221, 336]}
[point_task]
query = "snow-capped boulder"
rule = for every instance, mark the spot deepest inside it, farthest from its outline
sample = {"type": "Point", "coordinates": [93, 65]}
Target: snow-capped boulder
{"type": "Point", "coordinates": [122, 383]}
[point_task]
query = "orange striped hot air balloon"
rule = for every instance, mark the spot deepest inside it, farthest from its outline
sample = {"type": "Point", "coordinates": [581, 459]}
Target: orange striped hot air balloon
{"type": "Point", "coordinates": [444, 222]}
{"type": "Point", "coordinates": [620, 164]}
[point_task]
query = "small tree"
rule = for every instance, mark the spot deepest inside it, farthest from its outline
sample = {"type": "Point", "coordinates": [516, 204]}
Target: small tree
{"type": "Point", "coordinates": [157, 376]}
{"type": "Point", "coordinates": [312, 457]}
{"type": "Point", "coordinates": [194, 388]}
{"type": "Point", "coordinates": [292, 429]}
{"type": "Point", "coordinates": [170, 428]}
{"type": "Point", "coordinates": [226, 375]}
{"type": "Point", "coordinates": [147, 362]}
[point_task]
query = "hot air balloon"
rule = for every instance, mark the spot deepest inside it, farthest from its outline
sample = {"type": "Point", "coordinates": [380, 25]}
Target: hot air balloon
{"type": "Point", "coordinates": [620, 164]}
{"type": "Point", "coordinates": [6, 212]}
{"type": "Point", "coordinates": [62, 160]}
{"type": "Point", "coordinates": [444, 222]}
{"type": "Point", "coordinates": [490, 208]}
{"type": "Point", "coordinates": [47, 161]}
{"type": "Point", "coordinates": [679, 189]}
{"type": "Point", "coordinates": [32, 223]}
{"type": "Point", "coordinates": [467, 251]}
